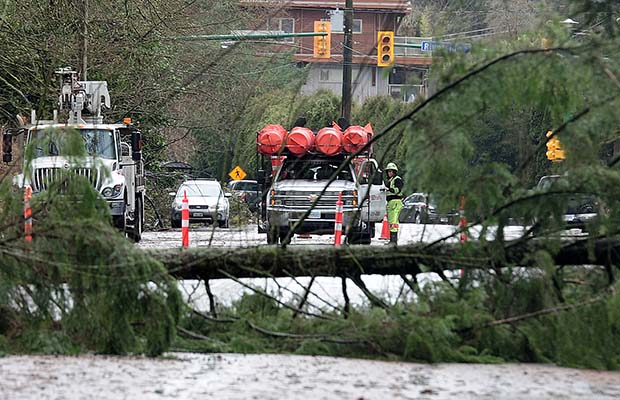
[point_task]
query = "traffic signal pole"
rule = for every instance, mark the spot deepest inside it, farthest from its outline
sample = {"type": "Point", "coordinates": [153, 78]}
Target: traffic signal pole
{"type": "Point", "coordinates": [347, 60]}
{"type": "Point", "coordinates": [251, 36]}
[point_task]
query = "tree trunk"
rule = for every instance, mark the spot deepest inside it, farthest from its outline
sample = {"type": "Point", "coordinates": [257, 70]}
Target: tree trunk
{"type": "Point", "coordinates": [267, 261]}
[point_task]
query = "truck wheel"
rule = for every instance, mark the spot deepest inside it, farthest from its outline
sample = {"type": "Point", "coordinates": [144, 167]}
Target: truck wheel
{"type": "Point", "coordinates": [353, 237]}
{"type": "Point", "coordinates": [119, 222]}
{"type": "Point", "coordinates": [282, 234]}
{"type": "Point", "coordinates": [223, 224]}
{"type": "Point", "coordinates": [175, 223]}
{"type": "Point", "coordinates": [272, 235]}
{"type": "Point", "coordinates": [417, 219]}
{"type": "Point", "coordinates": [136, 233]}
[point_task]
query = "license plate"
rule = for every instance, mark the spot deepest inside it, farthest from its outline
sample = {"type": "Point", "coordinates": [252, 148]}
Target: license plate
{"type": "Point", "coordinates": [443, 219]}
{"type": "Point", "coordinates": [314, 214]}
{"type": "Point", "coordinates": [198, 214]}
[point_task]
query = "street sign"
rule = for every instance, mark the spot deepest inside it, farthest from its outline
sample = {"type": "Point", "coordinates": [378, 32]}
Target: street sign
{"type": "Point", "coordinates": [450, 46]}
{"type": "Point", "coordinates": [237, 173]}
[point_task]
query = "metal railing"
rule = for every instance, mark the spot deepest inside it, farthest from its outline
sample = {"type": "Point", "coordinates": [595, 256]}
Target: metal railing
{"type": "Point", "coordinates": [406, 93]}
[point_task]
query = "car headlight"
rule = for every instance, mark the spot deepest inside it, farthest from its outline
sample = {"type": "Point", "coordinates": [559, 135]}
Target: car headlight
{"type": "Point", "coordinates": [178, 206]}
{"type": "Point", "coordinates": [107, 192]}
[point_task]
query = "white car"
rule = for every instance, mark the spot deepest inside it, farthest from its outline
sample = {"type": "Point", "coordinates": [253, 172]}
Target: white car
{"type": "Point", "coordinates": [207, 203]}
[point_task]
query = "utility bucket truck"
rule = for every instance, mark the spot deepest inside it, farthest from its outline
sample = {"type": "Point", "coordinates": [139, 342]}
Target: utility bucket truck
{"type": "Point", "coordinates": [308, 174]}
{"type": "Point", "coordinates": [113, 162]}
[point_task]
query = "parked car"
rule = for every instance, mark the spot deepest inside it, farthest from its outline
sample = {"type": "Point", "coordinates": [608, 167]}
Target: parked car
{"type": "Point", "coordinates": [420, 208]}
{"type": "Point", "coordinates": [207, 203]}
{"type": "Point", "coordinates": [580, 209]}
{"type": "Point", "coordinates": [248, 191]}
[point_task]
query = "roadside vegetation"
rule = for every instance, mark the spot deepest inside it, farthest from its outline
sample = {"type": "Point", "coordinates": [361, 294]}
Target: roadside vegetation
{"type": "Point", "coordinates": [81, 287]}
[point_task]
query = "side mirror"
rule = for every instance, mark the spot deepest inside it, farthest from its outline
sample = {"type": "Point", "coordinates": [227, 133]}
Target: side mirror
{"type": "Point", "coordinates": [124, 149]}
{"type": "Point", "coordinates": [136, 145]}
{"type": "Point", "coordinates": [377, 178]}
{"type": "Point", "coordinates": [226, 194]}
{"type": "Point", "coordinates": [7, 147]}
{"type": "Point", "coordinates": [172, 194]}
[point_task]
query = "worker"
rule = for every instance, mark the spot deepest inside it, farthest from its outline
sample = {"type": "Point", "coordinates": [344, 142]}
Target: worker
{"type": "Point", "coordinates": [394, 185]}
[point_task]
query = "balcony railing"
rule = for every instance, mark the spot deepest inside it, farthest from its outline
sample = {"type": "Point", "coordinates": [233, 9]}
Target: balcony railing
{"type": "Point", "coordinates": [406, 93]}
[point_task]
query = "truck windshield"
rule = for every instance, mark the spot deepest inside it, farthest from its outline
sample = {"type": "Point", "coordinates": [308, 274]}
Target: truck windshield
{"type": "Point", "coordinates": [97, 142]}
{"type": "Point", "coordinates": [313, 170]}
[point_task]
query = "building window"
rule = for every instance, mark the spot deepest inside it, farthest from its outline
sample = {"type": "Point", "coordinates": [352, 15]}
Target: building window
{"type": "Point", "coordinates": [357, 26]}
{"type": "Point", "coordinates": [324, 75]}
{"type": "Point", "coordinates": [287, 25]}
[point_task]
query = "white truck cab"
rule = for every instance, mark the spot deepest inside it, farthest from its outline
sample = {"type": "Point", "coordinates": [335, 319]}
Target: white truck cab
{"type": "Point", "coordinates": [113, 162]}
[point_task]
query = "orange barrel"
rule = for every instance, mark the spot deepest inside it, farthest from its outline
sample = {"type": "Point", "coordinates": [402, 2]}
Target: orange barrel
{"type": "Point", "coordinates": [329, 141]}
{"type": "Point", "coordinates": [300, 140]}
{"type": "Point", "coordinates": [354, 138]}
{"type": "Point", "coordinates": [271, 139]}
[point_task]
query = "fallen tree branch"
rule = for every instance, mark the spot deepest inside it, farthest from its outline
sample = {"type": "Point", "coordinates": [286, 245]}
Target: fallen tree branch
{"type": "Point", "coordinates": [545, 311]}
{"type": "Point", "coordinates": [262, 293]}
{"type": "Point", "coordinates": [264, 331]}
{"type": "Point", "coordinates": [267, 261]}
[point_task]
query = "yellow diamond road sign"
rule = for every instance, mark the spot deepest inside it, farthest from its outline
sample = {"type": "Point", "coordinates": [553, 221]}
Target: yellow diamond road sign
{"type": "Point", "coordinates": [237, 173]}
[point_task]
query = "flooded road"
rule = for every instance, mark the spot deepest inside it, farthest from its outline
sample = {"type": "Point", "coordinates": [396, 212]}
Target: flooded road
{"type": "Point", "coordinates": [237, 376]}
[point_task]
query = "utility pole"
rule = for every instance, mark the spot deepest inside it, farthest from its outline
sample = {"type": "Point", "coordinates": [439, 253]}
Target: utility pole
{"type": "Point", "coordinates": [85, 41]}
{"type": "Point", "coordinates": [347, 59]}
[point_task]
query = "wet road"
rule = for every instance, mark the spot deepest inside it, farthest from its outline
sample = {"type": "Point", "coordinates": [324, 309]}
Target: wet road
{"type": "Point", "coordinates": [248, 236]}
{"type": "Point", "coordinates": [237, 376]}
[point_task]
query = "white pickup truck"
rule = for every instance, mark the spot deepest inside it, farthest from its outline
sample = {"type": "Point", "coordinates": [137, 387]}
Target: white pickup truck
{"type": "Point", "coordinates": [301, 199]}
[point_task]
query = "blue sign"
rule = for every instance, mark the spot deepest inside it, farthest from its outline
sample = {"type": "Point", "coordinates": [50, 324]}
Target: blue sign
{"type": "Point", "coordinates": [430, 46]}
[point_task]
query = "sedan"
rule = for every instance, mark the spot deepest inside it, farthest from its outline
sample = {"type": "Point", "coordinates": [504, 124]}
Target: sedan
{"type": "Point", "coordinates": [420, 208]}
{"type": "Point", "coordinates": [207, 203]}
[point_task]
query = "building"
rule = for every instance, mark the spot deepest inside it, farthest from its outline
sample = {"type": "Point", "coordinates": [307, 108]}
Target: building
{"type": "Point", "coordinates": [404, 81]}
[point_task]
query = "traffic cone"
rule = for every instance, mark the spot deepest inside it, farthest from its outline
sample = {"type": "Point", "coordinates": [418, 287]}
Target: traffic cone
{"type": "Point", "coordinates": [185, 220]}
{"type": "Point", "coordinates": [338, 222]}
{"type": "Point", "coordinates": [385, 229]}
{"type": "Point", "coordinates": [27, 215]}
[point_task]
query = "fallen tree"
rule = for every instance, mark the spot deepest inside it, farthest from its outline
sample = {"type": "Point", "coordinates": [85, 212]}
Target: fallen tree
{"type": "Point", "coordinates": [270, 261]}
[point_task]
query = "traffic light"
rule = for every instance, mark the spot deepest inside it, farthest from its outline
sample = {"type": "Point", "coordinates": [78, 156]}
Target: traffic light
{"type": "Point", "coordinates": [385, 48]}
{"type": "Point", "coordinates": [322, 43]}
{"type": "Point", "coordinates": [554, 148]}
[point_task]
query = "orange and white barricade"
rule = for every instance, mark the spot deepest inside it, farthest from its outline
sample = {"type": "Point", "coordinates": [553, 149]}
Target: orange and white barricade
{"type": "Point", "coordinates": [276, 163]}
{"type": "Point", "coordinates": [338, 222]}
{"type": "Point", "coordinates": [462, 221]}
{"type": "Point", "coordinates": [27, 214]}
{"type": "Point", "coordinates": [185, 220]}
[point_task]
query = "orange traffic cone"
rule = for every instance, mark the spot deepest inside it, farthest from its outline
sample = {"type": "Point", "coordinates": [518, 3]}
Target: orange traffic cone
{"type": "Point", "coordinates": [385, 229]}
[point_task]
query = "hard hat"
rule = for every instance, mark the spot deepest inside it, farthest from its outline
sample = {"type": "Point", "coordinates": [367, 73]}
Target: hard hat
{"type": "Point", "coordinates": [391, 166]}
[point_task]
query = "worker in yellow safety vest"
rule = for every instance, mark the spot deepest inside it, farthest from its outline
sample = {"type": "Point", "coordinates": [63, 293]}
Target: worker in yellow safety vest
{"type": "Point", "coordinates": [394, 185]}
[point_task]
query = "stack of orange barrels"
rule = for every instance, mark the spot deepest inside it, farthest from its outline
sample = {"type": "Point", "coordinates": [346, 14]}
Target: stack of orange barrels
{"type": "Point", "coordinates": [330, 141]}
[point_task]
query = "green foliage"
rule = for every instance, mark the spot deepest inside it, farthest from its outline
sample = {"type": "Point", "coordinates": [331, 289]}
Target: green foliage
{"type": "Point", "coordinates": [320, 109]}
{"type": "Point", "coordinates": [256, 305]}
{"type": "Point", "coordinates": [381, 111]}
{"type": "Point", "coordinates": [437, 324]}
{"type": "Point", "coordinates": [484, 138]}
